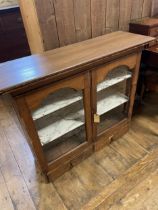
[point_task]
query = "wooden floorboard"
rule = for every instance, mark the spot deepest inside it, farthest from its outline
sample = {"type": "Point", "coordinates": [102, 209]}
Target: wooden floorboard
{"type": "Point", "coordinates": [121, 175]}
{"type": "Point", "coordinates": [5, 199]}
{"type": "Point", "coordinates": [41, 194]}
{"type": "Point", "coordinates": [114, 193]}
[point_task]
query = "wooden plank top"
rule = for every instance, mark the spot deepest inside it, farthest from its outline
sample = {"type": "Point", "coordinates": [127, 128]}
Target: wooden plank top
{"type": "Point", "coordinates": [150, 22]}
{"type": "Point", "coordinates": [28, 70]}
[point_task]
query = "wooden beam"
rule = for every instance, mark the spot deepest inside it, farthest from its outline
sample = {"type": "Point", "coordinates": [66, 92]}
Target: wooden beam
{"type": "Point", "coordinates": [31, 23]}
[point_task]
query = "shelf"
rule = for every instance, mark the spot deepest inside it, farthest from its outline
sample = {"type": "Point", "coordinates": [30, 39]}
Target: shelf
{"type": "Point", "coordinates": [109, 99]}
{"type": "Point", "coordinates": [65, 144]}
{"type": "Point", "coordinates": [111, 118]}
{"type": "Point", "coordinates": [113, 78]}
{"type": "Point", "coordinates": [60, 123]}
{"type": "Point", "coordinates": [56, 101]}
{"type": "Point", "coordinates": [66, 97]}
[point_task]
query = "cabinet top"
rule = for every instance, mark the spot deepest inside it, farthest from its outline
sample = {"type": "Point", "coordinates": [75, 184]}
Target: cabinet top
{"type": "Point", "coordinates": [32, 71]}
{"type": "Point", "coordinates": [149, 22]}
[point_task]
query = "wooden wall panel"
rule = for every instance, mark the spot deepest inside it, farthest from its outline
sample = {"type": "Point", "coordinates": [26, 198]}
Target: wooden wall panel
{"type": "Point", "coordinates": [125, 14]}
{"type": "Point", "coordinates": [98, 8]}
{"type": "Point", "coordinates": [82, 13]}
{"type": "Point", "coordinates": [154, 10]}
{"type": "Point", "coordinates": [147, 8]}
{"type": "Point", "coordinates": [137, 7]}
{"type": "Point", "coordinates": [112, 15]}
{"type": "Point", "coordinates": [54, 23]}
{"type": "Point", "coordinates": [64, 10]}
{"type": "Point", "coordinates": [47, 21]}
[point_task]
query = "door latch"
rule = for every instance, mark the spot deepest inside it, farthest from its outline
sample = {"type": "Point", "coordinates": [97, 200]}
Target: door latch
{"type": "Point", "coordinates": [96, 118]}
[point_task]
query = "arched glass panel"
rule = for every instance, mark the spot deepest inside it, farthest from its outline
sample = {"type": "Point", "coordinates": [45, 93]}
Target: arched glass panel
{"type": "Point", "coordinates": [112, 98]}
{"type": "Point", "coordinates": [60, 122]}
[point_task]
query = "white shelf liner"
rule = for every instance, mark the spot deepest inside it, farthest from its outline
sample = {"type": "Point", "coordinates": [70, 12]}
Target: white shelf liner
{"type": "Point", "coordinates": [113, 78]}
{"type": "Point", "coordinates": [59, 124]}
{"type": "Point", "coordinates": [67, 96]}
{"type": "Point", "coordinates": [56, 117]}
{"type": "Point", "coordinates": [108, 100]}
{"type": "Point", "coordinates": [56, 101]}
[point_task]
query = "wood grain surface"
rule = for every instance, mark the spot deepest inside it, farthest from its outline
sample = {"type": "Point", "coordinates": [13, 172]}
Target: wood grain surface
{"type": "Point", "coordinates": [121, 176]}
{"type": "Point", "coordinates": [69, 21]}
{"type": "Point", "coordinates": [60, 61]}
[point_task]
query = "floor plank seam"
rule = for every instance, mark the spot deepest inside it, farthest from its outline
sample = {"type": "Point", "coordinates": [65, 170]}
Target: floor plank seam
{"type": "Point", "coordinates": [21, 172]}
{"type": "Point", "coordinates": [154, 151]}
{"type": "Point", "coordinates": [144, 149]}
{"type": "Point", "coordinates": [125, 185]}
{"type": "Point", "coordinates": [14, 206]}
{"type": "Point", "coordinates": [132, 162]}
{"type": "Point", "coordinates": [14, 156]}
{"type": "Point", "coordinates": [113, 178]}
{"type": "Point", "coordinates": [53, 185]}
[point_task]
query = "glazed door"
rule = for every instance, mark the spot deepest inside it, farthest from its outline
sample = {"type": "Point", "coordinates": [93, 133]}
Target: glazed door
{"type": "Point", "coordinates": [112, 85]}
{"type": "Point", "coordinates": [61, 116]}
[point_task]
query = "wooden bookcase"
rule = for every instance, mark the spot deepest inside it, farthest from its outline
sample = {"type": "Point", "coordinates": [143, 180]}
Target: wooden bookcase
{"type": "Point", "coordinates": [74, 100]}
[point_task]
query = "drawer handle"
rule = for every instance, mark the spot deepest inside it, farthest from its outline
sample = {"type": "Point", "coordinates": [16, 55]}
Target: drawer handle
{"type": "Point", "coordinates": [111, 138]}
{"type": "Point", "coordinates": [96, 118]}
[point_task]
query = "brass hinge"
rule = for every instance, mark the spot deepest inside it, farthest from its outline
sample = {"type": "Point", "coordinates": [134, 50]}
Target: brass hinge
{"type": "Point", "coordinates": [96, 118]}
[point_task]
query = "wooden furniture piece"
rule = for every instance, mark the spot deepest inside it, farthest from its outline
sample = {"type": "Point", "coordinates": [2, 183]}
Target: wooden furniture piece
{"type": "Point", "coordinates": [52, 24]}
{"type": "Point", "coordinates": [76, 99]}
{"type": "Point", "coordinates": [145, 26]}
{"type": "Point", "coordinates": [149, 70]}
{"type": "Point", "coordinates": [150, 60]}
{"type": "Point", "coordinates": [13, 41]}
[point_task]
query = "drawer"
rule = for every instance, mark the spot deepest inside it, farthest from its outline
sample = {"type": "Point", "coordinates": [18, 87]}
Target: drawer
{"type": "Point", "coordinates": [153, 32]}
{"type": "Point", "coordinates": [112, 134]}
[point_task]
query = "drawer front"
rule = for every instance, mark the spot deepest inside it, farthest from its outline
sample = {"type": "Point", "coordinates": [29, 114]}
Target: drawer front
{"type": "Point", "coordinates": [154, 32]}
{"type": "Point", "coordinates": [112, 134]}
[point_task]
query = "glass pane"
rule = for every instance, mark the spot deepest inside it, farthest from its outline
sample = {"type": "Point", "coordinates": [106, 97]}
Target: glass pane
{"type": "Point", "coordinates": [112, 96]}
{"type": "Point", "coordinates": [60, 122]}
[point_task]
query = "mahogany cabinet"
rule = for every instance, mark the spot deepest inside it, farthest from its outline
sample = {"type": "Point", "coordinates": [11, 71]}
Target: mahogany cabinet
{"type": "Point", "coordinates": [74, 100]}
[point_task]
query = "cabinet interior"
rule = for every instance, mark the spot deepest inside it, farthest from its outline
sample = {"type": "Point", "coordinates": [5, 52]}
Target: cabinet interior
{"type": "Point", "coordinates": [112, 99]}
{"type": "Point", "coordinates": [60, 120]}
